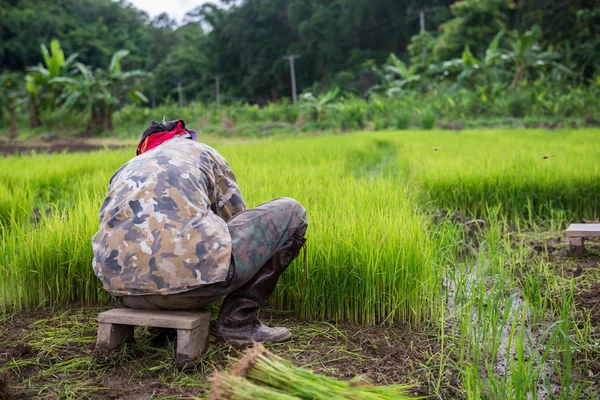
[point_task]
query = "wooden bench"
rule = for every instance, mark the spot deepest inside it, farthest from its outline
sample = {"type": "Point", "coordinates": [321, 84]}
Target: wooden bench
{"type": "Point", "coordinates": [577, 234]}
{"type": "Point", "coordinates": [116, 326]}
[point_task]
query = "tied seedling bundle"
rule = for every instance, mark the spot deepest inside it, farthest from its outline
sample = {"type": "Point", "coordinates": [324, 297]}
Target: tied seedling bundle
{"type": "Point", "coordinates": [260, 374]}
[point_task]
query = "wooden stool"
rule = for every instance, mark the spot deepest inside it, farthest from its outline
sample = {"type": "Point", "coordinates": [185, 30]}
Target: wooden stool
{"type": "Point", "coordinates": [577, 233]}
{"type": "Point", "coordinates": [115, 327]}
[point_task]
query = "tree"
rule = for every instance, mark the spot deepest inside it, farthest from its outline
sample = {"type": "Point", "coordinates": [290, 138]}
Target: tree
{"type": "Point", "coordinates": [11, 96]}
{"type": "Point", "coordinates": [116, 85]}
{"type": "Point", "coordinates": [421, 50]}
{"type": "Point", "coordinates": [527, 55]}
{"type": "Point", "coordinates": [98, 92]}
{"type": "Point", "coordinates": [396, 76]}
{"type": "Point", "coordinates": [189, 63]}
{"type": "Point", "coordinates": [469, 71]}
{"type": "Point", "coordinates": [474, 24]}
{"type": "Point", "coordinates": [38, 79]}
{"type": "Point", "coordinates": [317, 106]}
{"type": "Point", "coordinates": [94, 28]}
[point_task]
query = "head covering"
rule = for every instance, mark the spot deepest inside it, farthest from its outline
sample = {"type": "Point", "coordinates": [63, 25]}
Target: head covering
{"type": "Point", "coordinates": [159, 132]}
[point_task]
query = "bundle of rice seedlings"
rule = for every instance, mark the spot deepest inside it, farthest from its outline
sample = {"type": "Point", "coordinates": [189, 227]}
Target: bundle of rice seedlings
{"type": "Point", "coordinates": [226, 386]}
{"type": "Point", "coordinates": [261, 374]}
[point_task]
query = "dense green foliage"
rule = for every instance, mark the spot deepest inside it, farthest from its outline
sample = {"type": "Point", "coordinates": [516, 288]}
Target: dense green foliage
{"type": "Point", "coordinates": [341, 41]}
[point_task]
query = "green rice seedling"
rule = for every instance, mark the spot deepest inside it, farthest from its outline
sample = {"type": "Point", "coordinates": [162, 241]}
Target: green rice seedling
{"type": "Point", "coordinates": [367, 238]}
{"type": "Point", "coordinates": [262, 369]}
{"type": "Point", "coordinates": [375, 254]}
{"type": "Point", "coordinates": [513, 348]}
{"type": "Point", "coordinates": [478, 169]}
{"type": "Point", "coordinates": [226, 386]}
{"type": "Point", "coordinates": [50, 264]}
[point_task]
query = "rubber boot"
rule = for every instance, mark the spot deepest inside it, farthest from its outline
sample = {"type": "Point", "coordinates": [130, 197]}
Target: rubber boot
{"type": "Point", "coordinates": [238, 318]}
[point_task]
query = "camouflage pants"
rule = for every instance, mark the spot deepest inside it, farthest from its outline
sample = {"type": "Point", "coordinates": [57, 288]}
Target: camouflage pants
{"type": "Point", "coordinates": [255, 234]}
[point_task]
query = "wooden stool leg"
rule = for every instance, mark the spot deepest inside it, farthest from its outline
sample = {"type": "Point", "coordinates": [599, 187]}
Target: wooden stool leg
{"type": "Point", "coordinates": [111, 336]}
{"type": "Point", "coordinates": [577, 246]}
{"type": "Point", "coordinates": [191, 343]}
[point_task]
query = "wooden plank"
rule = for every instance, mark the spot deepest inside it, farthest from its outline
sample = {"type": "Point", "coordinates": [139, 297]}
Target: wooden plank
{"type": "Point", "coordinates": [583, 230]}
{"type": "Point", "coordinates": [156, 319]}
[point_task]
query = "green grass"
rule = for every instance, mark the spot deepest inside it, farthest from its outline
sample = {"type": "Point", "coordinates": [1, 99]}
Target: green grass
{"type": "Point", "coordinates": [506, 321]}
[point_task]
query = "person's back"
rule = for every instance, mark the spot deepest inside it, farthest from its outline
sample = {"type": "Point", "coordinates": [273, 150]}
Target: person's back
{"type": "Point", "coordinates": [175, 234]}
{"type": "Point", "coordinates": [160, 231]}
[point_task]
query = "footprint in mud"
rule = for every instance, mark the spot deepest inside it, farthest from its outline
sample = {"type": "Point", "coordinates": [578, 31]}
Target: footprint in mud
{"type": "Point", "coordinates": [22, 350]}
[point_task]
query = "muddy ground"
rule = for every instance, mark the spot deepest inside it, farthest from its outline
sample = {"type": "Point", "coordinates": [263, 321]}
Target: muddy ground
{"type": "Point", "coordinates": [50, 356]}
{"type": "Point", "coordinates": [55, 144]}
{"type": "Point", "coordinates": [585, 270]}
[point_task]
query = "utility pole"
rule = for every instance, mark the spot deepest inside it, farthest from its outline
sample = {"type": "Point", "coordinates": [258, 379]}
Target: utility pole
{"type": "Point", "coordinates": [422, 13]}
{"type": "Point", "coordinates": [218, 90]}
{"type": "Point", "coordinates": [180, 92]}
{"type": "Point", "coordinates": [293, 74]}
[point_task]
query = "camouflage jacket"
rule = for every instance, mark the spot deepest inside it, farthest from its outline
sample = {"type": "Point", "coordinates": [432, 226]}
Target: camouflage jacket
{"type": "Point", "coordinates": [163, 225]}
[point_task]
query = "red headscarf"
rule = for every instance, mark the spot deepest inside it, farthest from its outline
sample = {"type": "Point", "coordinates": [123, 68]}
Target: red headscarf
{"type": "Point", "coordinates": [158, 138]}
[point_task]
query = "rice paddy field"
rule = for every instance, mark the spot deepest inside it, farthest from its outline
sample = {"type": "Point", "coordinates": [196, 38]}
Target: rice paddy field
{"type": "Point", "coordinates": [435, 259]}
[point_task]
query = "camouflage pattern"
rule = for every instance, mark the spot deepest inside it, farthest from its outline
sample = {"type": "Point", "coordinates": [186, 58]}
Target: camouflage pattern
{"type": "Point", "coordinates": [255, 235]}
{"type": "Point", "coordinates": [163, 225]}
{"type": "Point", "coordinates": [258, 232]}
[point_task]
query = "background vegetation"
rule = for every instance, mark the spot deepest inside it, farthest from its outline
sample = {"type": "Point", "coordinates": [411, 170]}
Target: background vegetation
{"type": "Point", "coordinates": [364, 64]}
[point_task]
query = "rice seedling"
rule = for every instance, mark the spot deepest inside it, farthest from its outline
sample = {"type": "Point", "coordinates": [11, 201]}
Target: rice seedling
{"type": "Point", "coordinates": [506, 320]}
{"type": "Point", "coordinates": [383, 263]}
{"type": "Point", "coordinates": [261, 373]}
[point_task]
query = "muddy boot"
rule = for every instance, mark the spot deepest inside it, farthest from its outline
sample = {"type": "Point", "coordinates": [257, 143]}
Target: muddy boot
{"type": "Point", "coordinates": [238, 318]}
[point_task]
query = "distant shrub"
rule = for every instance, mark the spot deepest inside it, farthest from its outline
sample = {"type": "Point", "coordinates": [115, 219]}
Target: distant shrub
{"type": "Point", "coordinates": [403, 119]}
{"type": "Point", "coordinates": [351, 115]}
{"type": "Point", "coordinates": [382, 123]}
{"type": "Point", "coordinates": [518, 104]}
{"type": "Point", "coordinates": [427, 119]}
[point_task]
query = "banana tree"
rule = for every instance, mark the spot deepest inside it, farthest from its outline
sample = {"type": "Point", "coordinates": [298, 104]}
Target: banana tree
{"type": "Point", "coordinates": [82, 91]}
{"type": "Point", "coordinates": [11, 97]}
{"type": "Point", "coordinates": [38, 80]}
{"type": "Point", "coordinates": [99, 92]}
{"type": "Point", "coordinates": [33, 95]}
{"type": "Point", "coordinates": [118, 84]}
{"type": "Point", "coordinates": [469, 70]}
{"type": "Point", "coordinates": [527, 55]}
{"type": "Point", "coordinates": [318, 105]}
{"type": "Point", "coordinates": [395, 76]}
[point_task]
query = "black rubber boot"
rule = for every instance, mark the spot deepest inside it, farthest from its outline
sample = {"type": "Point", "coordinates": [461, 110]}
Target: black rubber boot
{"type": "Point", "coordinates": [238, 318]}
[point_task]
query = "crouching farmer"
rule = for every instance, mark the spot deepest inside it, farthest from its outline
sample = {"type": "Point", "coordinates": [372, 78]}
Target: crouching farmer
{"type": "Point", "coordinates": [175, 234]}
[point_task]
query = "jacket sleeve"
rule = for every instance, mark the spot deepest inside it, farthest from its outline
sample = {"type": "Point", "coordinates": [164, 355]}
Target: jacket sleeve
{"type": "Point", "coordinates": [228, 200]}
